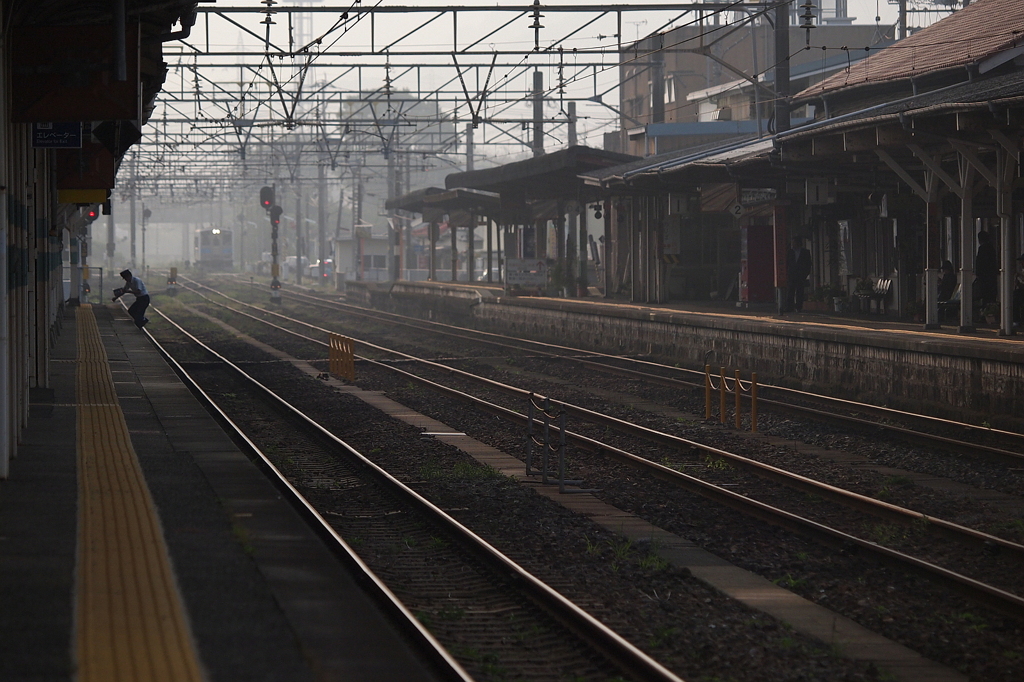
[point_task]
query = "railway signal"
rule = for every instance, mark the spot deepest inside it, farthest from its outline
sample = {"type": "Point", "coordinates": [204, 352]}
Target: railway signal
{"type": "Point", "coordinates": [92, 214]}
{"type": "Point", "coordinates": [275, 222]}
{"type": "Point", "coordinates": [266, 197]}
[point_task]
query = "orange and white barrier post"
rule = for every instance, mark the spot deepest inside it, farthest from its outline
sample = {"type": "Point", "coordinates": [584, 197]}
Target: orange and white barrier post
{"type": "Point", "coordinates": [341, 357]}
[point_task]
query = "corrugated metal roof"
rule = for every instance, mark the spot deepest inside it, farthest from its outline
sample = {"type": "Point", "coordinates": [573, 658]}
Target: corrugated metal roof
{"type": "Point", "coordinates": [720, 156]}
{"type": "Point", "coordinates": [968, 36]}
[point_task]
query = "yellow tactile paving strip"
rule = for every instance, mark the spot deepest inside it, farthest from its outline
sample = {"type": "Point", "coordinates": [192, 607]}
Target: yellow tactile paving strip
{"type": "Point", "coordinates": [130, 622]}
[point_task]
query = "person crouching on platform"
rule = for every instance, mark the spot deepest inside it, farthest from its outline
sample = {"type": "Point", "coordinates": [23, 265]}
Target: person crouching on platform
{"type": "Point", "coordinates": [798, 269]}
{"type": "Point", "coordinates": [134, 285]}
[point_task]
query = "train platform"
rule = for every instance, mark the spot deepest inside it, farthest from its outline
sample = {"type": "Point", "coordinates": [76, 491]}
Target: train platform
{"type": "Point", "coordinates": [974, 376]}
{"type": "Point", "coordinates": [814, 314]}
{"type": "Point", "coordinates": [138, 543]}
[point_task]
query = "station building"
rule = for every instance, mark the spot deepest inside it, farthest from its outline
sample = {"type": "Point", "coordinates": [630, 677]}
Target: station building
{"type": "Point", "coordinates": [906, 157]}
{"type": "Point", "coordinates": [77, 82]}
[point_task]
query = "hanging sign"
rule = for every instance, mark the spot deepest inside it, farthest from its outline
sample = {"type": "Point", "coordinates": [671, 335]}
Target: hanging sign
{"type": "Point", "coordinates": [57, 135]}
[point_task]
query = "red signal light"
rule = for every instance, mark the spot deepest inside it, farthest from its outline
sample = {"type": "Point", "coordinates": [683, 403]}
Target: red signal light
{"type": "Point", "coordinates": [266, 197]}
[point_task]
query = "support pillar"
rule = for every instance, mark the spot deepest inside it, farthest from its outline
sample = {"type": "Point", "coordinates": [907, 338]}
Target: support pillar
{"type": "Point", "coordinates": [932, 262]}
{"type": "Point", "coordinates": [432, 256]}
{"type": "Point", "coordinates": [780, 241]}
{"type": "Point", "coordinates": [968, 248]}
{"type": "Point", "coordinates": [609, 262]}
{"type": "Point", "coordinates": [455, 249]}
{"type": "Point", "coordinates": [490, 250]}
{"type": "Point", "coordinates": [572, 256]}
{"type": "Point", "coordinates": [584, 243]}
{"type": "Point", "coordinates": [470, 249]}
{"type": "Point", "coordinates": [1006, 166]}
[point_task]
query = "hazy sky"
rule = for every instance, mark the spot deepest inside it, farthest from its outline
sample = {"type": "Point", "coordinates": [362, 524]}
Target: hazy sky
{"type": "Point", "coordinates": [594, 119]}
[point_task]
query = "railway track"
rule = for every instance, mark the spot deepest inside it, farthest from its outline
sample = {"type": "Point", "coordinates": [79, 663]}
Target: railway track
{"type": "Point", "coordinates": [995, 597]}
{"type": "Point", "coordinates": [977, 441]}
{"type": "Point", "coordinates": [485, 612]}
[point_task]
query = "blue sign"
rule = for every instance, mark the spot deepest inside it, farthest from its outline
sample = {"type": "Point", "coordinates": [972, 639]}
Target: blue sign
{"type": "Point", "coordinates": [57, 135]}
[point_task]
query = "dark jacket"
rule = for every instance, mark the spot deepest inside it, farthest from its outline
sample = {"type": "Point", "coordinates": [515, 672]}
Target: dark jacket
{"type": "Point", "coordinates": [986, 270]}
{"type": "Point", "coordinates": [798, 265]}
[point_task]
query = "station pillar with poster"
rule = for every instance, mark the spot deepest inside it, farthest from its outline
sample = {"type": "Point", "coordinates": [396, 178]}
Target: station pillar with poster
{"type": "Point", "coordinates": [757, 264]}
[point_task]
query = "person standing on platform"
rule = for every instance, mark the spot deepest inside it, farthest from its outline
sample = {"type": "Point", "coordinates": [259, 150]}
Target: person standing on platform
{"type": "Point", "coordinates": [947, 283]}
{"type": "Point", "coordinates": [135, 285]}
{"type": "Point", "coordinates": [986, 270]}
{"type": "Point", "coordinates": [798, 269]}
{"type": "Point", "coordinates": [1018, 293]}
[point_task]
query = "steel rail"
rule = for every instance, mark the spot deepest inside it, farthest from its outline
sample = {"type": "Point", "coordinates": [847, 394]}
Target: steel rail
{"type": "Point", "coordinates": [1006, 602]}
{"type": "Point", "coordinates": [605, 640]}
{"type": "Point", "coordinates": [847, 498]}
{"type": "Point", "coordinates": [425, 642]}
{"type": "Point", "coordinates": [974, 449]}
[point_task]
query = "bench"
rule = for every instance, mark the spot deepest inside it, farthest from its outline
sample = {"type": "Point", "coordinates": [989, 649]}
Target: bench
{"type": "Point", "coordinates": [879, 292]}
{"type": "Point", "coordinates": [952, 306]}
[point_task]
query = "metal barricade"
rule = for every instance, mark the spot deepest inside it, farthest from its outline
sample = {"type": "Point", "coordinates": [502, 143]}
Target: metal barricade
{"type": "Point", "coordinates": [342, 357]}
{"type": "Point", "coordinates": [738, 389]}
{"type": "Point", "coordinates": [544, 442]}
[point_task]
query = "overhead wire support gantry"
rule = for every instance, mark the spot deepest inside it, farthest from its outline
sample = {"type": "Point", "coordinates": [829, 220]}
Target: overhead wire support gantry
{"type": "Point", "coordinates": [349, 77]}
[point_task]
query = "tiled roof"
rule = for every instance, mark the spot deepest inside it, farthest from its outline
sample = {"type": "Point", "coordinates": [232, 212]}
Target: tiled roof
{"type": "Point", "coordinates": [1003, 90]}
{"type": "Point", "coordinates": [982, 29]}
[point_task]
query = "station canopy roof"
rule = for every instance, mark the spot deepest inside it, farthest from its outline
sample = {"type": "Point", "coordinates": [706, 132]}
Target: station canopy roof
{"type": "Point", "coordinates": [711, 163]}
{"type": "Point", "coordinates": [547, 177]}
{"type": "Point", "coordinates": [467, 199]}
{"type": "Point", "coordinates": [413, 202]}
{"type": "Point", "coordinates": [459, 204]}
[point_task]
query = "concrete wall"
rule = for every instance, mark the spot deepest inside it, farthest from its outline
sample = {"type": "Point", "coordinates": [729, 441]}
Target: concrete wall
{"type": "Point", "coordinates": [942, 375]}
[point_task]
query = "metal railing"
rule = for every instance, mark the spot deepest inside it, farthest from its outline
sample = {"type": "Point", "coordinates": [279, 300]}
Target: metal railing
{"type": "Point", "coordinates": [548, 415]}
{"type": "Point", "coordinates": [737, 389]}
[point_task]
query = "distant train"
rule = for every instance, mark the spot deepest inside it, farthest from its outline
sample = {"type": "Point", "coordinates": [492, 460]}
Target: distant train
{"type": "Point", "coordinates": [214, 250]}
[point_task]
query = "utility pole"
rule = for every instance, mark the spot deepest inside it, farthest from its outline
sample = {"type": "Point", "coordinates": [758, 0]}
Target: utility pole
{"type": "Point", "coordinates": [780, 227]}
{"type": "Point", "coordinates": [134, 184]}
{"type": "Point", "coordinates": [357, 221]}
{"type": "Point", "coordinates": [111, 240]}
{"type": "Point", "coordinates": [538, 113]}
{"type": "Point", "coordinates": [781, 68]}
{"type": "Point", "coordinates": [408, 256]}
{"type": "Point", "coordinates": [657, 56]}
{"type": "Point", "coordinates": [241, 240]}
{"type": "Point", "coordinates": [392, 219]}
{"type": "Point", "coordinates": [298, 233]}
{"type": "Point", "coordinates": [146, 213]}
{"type": "Point", "coordinates": [572, 124]}
{"type": "Point", "coordinates": [321, 218]}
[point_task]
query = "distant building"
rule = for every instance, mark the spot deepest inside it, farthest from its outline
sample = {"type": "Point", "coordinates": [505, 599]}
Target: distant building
{"type": "Point", "coordinates": [709, 82]}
